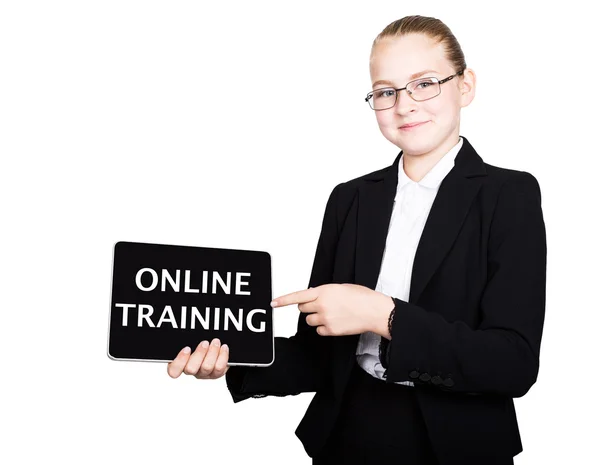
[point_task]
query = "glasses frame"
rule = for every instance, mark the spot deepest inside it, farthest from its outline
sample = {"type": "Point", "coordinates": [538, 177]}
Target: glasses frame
{"type": "Point", "coordinates": [440, 82]}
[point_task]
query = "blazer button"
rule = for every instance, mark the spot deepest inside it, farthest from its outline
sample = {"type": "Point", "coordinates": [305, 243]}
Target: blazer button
{"type": "Point", "coordinates": [448, 382]}
{"type": "Point", "coordinates": [436, 380]}
{"type": "Point", "coordinates": [414, 374]}
{"type": "Point", "coordinates": [425, 377]}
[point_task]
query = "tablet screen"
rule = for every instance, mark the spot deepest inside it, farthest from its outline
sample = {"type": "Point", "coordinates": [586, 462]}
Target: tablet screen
{"type": "Point", "coordinates": [166, 297]}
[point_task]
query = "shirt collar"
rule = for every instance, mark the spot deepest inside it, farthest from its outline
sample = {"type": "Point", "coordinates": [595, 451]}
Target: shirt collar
{"type": "Point", "coordinates": [435, 175]}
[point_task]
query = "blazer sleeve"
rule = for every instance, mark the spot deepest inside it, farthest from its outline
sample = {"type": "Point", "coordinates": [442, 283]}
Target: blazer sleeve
{"type": "Point", "coordinates": [501, 356]}
{"type": "Point", "coordinates": [300, 360]}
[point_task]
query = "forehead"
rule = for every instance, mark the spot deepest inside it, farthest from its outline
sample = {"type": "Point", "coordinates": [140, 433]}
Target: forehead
{"type": "Point", "coordinates": [397, 60]}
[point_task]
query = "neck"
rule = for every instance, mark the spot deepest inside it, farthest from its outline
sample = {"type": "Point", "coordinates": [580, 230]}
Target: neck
{"type": "Point", "coordinates": [416, 166]}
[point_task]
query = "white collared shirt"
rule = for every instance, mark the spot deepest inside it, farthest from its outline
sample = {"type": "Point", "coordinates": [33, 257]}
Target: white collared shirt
{"type": "Point", "coordinates": [411, 208]}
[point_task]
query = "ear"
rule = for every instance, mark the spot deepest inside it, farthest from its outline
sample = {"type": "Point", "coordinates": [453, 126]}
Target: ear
{"type": "Point", "coordinates": [467, 87]}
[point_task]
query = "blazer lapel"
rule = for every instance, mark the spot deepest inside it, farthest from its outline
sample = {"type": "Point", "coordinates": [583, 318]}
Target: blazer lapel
{"type": "Point", "coordinates": [375, 204]}
{"type": "Point", "coordinates": [448, 211]}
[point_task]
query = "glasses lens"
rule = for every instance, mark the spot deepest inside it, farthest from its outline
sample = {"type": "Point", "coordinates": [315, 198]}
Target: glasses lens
{"type": "Point", "coordinates": [383, 99]}
{"type": "Point", "coordinates": [423, 89]}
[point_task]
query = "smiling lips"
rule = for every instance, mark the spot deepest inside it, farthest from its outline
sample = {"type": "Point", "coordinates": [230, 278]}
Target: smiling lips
{"type": "Point", "coordinates": [412, 125]}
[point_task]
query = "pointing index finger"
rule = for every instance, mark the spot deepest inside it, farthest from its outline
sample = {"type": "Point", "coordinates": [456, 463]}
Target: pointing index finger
{"type": "Point", "coordinates": [298, 297]}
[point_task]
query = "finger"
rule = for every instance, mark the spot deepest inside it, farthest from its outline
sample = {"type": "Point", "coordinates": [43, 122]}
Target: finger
{"type": "Point", "coordinates": [221, 366]}
{"type": "Point", "coordinates": [195, 361]}
{"type": "Point", "coordinates": [309, 307]}
{"type": "Point", "coordinates": [322, 331]}
{"type": "Point", "coordinates": [175, 368]}
{"type": "Point", "coordinates": [211, 357]}
{"type": "Point", "coordinates": [314, 319]}
{"type": "Point", "coordinates": [306, 295]}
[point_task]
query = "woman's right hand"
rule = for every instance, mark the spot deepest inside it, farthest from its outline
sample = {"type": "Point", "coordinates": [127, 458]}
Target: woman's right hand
{"type": "Point", "coordinates": [208, 362]}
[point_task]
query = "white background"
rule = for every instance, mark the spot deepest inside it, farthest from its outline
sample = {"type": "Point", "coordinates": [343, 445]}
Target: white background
{"type": "Point", "coordinates": [195, 124]}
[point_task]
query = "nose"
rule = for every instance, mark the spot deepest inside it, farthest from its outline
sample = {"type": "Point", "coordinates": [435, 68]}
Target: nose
{"type": "Point", "coordinates": [404, 103]}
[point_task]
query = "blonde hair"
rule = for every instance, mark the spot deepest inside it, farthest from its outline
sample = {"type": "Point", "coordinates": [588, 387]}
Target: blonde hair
{"type": "Point", "coordinates": [432, 28]}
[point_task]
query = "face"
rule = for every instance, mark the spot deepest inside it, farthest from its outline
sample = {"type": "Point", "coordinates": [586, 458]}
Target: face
{"type": "Point", "coordinates": [394, 61]}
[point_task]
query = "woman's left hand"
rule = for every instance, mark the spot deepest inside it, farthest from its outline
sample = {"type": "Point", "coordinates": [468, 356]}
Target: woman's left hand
{"type": "Point", "coordinates": [336, 309]}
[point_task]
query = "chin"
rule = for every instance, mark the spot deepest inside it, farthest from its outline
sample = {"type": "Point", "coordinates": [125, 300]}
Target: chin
{"type": "Point", "coordinates": [414, 146]}
{"type": "Point", "coordinates": [410, 143]}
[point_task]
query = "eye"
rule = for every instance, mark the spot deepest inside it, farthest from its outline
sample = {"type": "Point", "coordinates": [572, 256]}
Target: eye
{"type": "Point", "coordinates": [384, 93]}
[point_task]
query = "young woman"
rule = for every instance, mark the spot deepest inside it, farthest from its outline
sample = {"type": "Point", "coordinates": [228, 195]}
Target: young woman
{"type": "Point", "coordinates": [424, 311]}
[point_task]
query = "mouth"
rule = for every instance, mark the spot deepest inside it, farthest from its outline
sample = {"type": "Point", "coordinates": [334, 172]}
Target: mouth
{"type": "Point", "coordinates": [410, 126]}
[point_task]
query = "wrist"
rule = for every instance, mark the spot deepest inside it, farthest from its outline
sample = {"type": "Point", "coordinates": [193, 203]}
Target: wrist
{"type": "Point", "coordinates": [381, 316]}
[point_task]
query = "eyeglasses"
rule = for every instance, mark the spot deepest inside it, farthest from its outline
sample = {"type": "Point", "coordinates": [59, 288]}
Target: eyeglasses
{"type": "Point", "coordinates": [419, 90]}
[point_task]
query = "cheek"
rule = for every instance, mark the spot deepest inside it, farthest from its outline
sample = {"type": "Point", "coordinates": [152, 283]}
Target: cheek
{"type": "Point", "coordinates": [432, 108]}
{"type": "Point", "coordinates": [446, 108]}
{"type": "Point", "coordinates": [436, 111]}
{"type": "Point", "coordinates": [385, 119]}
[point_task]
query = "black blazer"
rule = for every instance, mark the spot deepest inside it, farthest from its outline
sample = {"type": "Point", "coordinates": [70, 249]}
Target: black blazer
{"type": "Point", "coordinates": [469, 337]}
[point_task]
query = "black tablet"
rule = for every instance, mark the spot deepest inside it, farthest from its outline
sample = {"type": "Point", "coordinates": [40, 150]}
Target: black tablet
{"type": "Point", "coordinates": [166, 297]}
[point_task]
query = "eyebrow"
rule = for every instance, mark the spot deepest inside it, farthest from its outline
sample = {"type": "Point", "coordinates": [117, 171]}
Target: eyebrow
{"type": "Point", "coordinates": [411, 77]}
